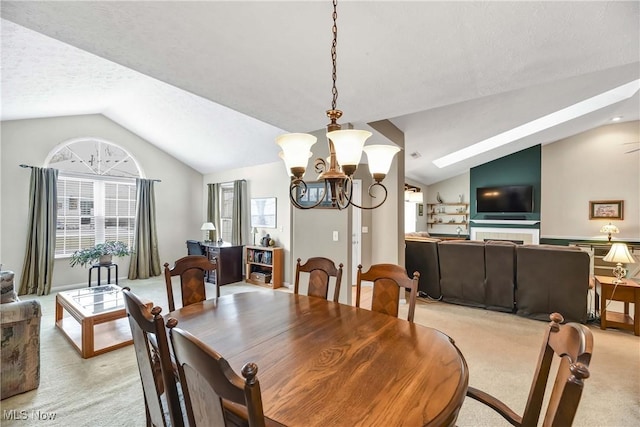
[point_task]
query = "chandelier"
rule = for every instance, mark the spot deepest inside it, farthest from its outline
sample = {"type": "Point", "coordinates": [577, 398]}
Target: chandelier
{"type": "Point", "coordinates": [345, 152]}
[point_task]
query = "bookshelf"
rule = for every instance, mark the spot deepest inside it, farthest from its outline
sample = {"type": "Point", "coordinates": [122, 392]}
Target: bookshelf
{"type": "Point", "coordinates": [264, 266]}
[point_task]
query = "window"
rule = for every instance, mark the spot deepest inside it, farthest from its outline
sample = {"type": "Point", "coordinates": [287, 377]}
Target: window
{"type": "Point", "coordinates": [226, 212]}
{"type": "Point", "coordinates": [96, 194]}
{"type": "Point", "coordinates": [409, 217]}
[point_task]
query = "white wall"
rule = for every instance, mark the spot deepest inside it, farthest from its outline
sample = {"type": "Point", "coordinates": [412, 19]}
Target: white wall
{"type": "Point", "coordinates": [591, 166]}
{"type": "Point", "coordinates": [178, 196]}
{"type": "Point", "coordinates": [449, 190]}
{"type": "Point", "coordinates": [268, 180]}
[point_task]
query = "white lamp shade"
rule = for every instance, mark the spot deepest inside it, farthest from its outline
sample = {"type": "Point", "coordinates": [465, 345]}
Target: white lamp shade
{"type": "Point", "coordinates": [286, 165]}
{"type": "Point", "coordinates": [609, 228]}
{"type": "Point", "coordinates": [619, 253]}
{"type": "Point", "coordinates": [208, 226]}
{"type": "Point", "coordinates": [296, 148]}
{"type": "Point", "coordinates": [348, 144]}
{"type": "Point", "coordinates": [413, 196]}
{"type": "Point", "coordinates": [380, 157]}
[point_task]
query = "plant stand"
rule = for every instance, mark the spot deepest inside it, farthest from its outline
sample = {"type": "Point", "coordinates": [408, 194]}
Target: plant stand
{"type": "Point", "coordinates": [108, 267]}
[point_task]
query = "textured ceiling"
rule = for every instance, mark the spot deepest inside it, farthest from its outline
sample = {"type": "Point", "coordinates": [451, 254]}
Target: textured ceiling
{"type": "Point", "coordinates": [448, 74]}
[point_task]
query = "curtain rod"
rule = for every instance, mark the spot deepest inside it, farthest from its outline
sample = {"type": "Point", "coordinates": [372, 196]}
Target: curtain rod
{"type": "Point", "coordinates": [103, 176]}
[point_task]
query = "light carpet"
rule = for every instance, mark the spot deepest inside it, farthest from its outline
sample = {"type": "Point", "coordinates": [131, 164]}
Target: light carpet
{"type": "Point", "coordinates": [500, 349]}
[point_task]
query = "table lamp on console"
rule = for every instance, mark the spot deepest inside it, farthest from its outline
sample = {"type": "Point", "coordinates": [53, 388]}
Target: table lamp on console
{"type": "Point", "coordinates": [208, 229]}
{"type": "Point", "coordinates": [619, 253]}
{"type": "Point", "coordinates": [609, 228]}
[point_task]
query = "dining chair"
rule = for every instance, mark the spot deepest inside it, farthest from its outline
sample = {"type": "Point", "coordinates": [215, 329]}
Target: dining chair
{"type": "Point", "coordinates": [573, 344]}
{"type": "Point", "coordinates": [192, 270]}
{"type": "Point", "coordinates": [388, 280]}
{"type": "Point", "coordinates": [154, 363]}
{"type": "Point", "coordinates": [214, 394]}
{"type": "Point", "coordinates": [320, 270]}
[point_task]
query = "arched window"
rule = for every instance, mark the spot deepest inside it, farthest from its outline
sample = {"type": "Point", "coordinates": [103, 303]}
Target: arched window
{"type": "Point", "coordinates": [96, 193]}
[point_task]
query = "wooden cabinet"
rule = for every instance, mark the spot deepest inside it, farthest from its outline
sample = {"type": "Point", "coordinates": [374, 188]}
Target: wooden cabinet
{"type": "Point", "coordinates": [264, 266]}
{"type": "Point", "coordinates": [229, 260]}
{"type": "Point", "coordinates": [448, 214]}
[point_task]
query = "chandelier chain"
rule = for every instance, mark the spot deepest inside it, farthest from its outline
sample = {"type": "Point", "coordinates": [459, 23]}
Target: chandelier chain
{"type": "Point", "coordinates": [334, 55]}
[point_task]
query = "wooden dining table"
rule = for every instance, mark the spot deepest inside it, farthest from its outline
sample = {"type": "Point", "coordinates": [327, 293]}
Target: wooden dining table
{"type": "Point", "coordinates": [322, 363]}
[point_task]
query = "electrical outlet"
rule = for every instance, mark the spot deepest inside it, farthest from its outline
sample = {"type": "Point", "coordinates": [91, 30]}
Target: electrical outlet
{"type": "Point", "coordinates": [335, 236]}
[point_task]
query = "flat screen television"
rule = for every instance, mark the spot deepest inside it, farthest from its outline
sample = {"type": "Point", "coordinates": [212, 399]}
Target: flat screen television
{"type": "Point", "coordinates": [505, 198]}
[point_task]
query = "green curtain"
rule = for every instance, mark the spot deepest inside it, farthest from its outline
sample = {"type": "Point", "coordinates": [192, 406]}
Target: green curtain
{"type": "Point", "coordinates": [213, 206]}
{"type": "Point", "coordinates": [145, 260]}
{"type": "Point", "coordinates": [239, 230]}
{"type": "Point", "coordinates": [37, 269]}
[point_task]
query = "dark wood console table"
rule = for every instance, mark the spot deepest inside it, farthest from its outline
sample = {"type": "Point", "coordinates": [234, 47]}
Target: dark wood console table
{"type": "Point", "coordinates": [229, 258]}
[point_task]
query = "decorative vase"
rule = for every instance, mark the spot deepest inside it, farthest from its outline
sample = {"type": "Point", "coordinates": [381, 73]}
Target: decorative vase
{"type": "Point", "coordinates": [105, 259]}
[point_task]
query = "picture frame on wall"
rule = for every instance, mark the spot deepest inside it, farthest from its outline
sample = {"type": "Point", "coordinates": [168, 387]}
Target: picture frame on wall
{"type": "Point", "coordinates": [313, 194]}
{"type": "Point", "coordinates": [420, 209]}
{"type": "Point", "coordinates": [263, 212]}
{"type": "Point", "coordinates": [606, 209]}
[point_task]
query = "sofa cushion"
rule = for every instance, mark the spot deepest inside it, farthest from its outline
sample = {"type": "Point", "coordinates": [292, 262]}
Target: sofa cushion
{"type": "Point", "coordinates": [500, 260]}
{"type": "Point", "coordinates": [421, 255]}
{"type": "Point", "coordinates": [552, 279]}
{"type": "Point", "coordinates": [462, 272]}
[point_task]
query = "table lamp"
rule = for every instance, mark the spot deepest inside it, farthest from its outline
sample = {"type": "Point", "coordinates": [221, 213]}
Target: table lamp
{"type": "Point", "coordinates": [619, 253]}
{"type": "Point", "coordinates": [609, 228]}
{"type": "Point", "coordinates": [208, 228]}
{"type": "Point", "coordinates": [254, 231]}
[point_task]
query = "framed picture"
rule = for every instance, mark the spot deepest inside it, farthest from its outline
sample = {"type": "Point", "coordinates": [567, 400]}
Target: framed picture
{"type": "Point", "coordinates": [263, 212]}
{"type": "Point", "coordinates": [420, 209]}
{"type": "Point", "coordinates": [314, 192]}
{"type": "Point", "coordinates": [606, 209]}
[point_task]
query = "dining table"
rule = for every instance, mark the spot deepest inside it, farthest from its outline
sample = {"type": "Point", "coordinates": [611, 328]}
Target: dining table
{"type": "Point", "coordinates": [323, 363]}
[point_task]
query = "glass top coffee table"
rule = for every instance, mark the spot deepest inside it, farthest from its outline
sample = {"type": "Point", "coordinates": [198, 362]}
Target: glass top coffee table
{"type": "Point", "coordinates": [96, 320]}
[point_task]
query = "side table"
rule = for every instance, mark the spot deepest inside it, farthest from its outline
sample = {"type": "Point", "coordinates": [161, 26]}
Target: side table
{"type": "Point", "coordinates": [100, 267]}
{"type": "Point", "coordinates": [627, 292]}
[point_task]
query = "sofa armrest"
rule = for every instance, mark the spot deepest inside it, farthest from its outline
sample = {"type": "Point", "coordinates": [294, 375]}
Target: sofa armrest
{"type": "Point", "coordinates": [19, 311]}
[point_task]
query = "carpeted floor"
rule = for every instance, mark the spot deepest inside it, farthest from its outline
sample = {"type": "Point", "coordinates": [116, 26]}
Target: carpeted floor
{"type": "Point", "coordinates": [500, 350]}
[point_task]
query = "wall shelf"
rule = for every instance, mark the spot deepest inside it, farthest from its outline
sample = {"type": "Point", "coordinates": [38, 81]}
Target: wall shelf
{"type": "Point", "coordinates": [443, 213]}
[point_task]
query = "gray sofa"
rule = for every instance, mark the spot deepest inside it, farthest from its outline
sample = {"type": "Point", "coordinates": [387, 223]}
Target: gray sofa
{"type": "Point", "coordinates": [530, 280]}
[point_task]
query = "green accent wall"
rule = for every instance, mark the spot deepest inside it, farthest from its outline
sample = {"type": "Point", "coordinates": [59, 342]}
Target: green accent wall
{"type": "Point", "coordinates": [521, 168]}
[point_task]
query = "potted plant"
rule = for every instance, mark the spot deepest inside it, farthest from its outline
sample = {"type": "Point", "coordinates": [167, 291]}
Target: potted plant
{"type": "Point", "coordinates": [102, 252]}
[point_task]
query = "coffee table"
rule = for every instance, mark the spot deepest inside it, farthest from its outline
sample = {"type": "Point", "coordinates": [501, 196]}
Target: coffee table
{"type": "Point", "coordinates": [97, 321]}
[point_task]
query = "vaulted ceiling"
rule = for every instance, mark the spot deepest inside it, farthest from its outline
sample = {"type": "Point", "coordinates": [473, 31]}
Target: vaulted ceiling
{"type": "Point", "coordinates": [212, 83]}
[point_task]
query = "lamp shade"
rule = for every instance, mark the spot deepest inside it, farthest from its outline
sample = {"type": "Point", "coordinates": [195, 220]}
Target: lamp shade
{"type": "Point", "coordinates": [609, 228]}
{"type": "Point", "coordinates": [348, 144]}
{"type": "Point", "coordinates": [380, 158]}
{"type": "Point", "coordinates": [619, 253]}
{"type": "Point", "coordinates": [413, 196]}
{"type": "Point", "coordinates": [296, 148]}
{"type": "Point", "coordinates": [208, 226]}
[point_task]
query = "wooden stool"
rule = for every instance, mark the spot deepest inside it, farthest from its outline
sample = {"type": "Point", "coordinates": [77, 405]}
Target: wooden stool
{"type": "Point", "coordinates": [108, 267]}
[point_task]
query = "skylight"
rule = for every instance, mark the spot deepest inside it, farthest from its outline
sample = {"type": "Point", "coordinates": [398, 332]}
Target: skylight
{"type": "Point", "coordinates": [587, 106]}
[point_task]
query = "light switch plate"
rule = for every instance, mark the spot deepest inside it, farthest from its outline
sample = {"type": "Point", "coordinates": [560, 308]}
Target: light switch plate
{"type": "Point", "coordinates": [365, 229]}
{"type": "Point", "coordinates": [335, 236]}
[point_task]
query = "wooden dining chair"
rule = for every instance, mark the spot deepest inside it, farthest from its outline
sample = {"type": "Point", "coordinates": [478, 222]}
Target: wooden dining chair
{"type": "Point", "coordinates": [214, 394]}
{"type": "Point", "coordinates": [192, 270]}
{"type": "Point", "coordinates": [573, 344]}
{"type": "Point", "coordinates": [388, 280]}
{"type": "Point", "coordinates": [154, 362]}
{"type": "Point", "coordinates": [320, 270]}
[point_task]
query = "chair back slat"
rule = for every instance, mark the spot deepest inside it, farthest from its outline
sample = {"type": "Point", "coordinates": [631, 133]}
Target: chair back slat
{"type": "Point", "coordinates": [389, 280]}
{"type": "Point", "coordinates": [573, 345]}
{"type": "Point", "coordinates": [191, 270]}
{"type": "Point", "coordinates": [320, 271]}
{"type": "Point", "coordinates": [154, 361]}
{"type": "Point", "coordinates": [207, 378]}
